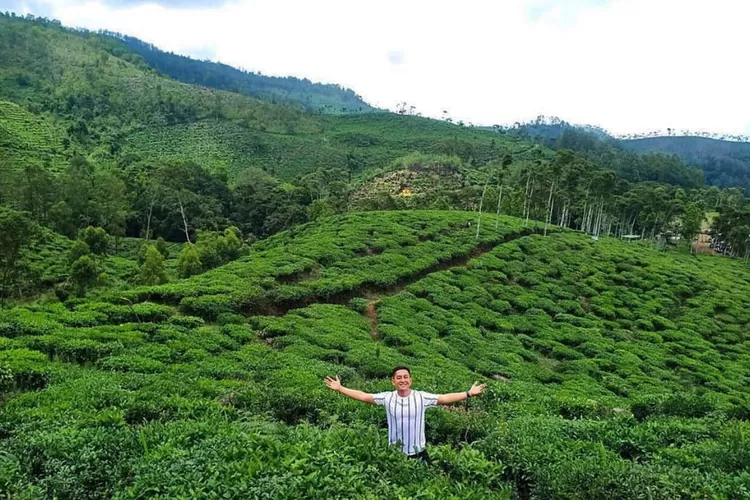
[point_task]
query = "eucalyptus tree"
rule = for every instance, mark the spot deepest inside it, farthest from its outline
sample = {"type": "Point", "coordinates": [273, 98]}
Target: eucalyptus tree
{"type": "Point", "coordinates": [504, 164]}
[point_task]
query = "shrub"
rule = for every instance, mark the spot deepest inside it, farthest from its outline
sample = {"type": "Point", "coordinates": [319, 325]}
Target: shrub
{"type": "Point", "coordinates": [30, 369]}
{"type": "Point", "coordinates": [6, 377]}
{"type": "Point", "coordinates": [84, 274]}
{"type": "Point", "coordinates": [187, 321]}
{"type": "Point", "coordinates": [96, 238]}
{"type": "Point", "coordinates": [162, 247]}
{"type": "Point", "coordinates": [189, 262]}
{"type": "Point", "coordinates": [131, 363]}
{"type": "Point", "coordinates": [152, 270]}
{"type": "Point", "coordinates": [78, 250]}
{"type": "Point", "coordinates": [358, 304]}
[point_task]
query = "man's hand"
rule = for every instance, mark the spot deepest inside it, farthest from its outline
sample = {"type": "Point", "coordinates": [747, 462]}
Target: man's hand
{"type": "Point", "coordinates": [334, 383]}
{"type": "Point", "coordinates": [477, 389]}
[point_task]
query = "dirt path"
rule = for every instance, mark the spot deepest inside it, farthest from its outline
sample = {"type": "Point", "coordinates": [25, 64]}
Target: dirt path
{"type": "Point", "coordinates": [372, 318]}
{"type": "Point", "coordinates": [374, 293]}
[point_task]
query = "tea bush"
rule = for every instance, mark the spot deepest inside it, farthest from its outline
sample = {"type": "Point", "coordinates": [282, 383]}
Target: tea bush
{"type": "Point", "coordinates": [614, 371]}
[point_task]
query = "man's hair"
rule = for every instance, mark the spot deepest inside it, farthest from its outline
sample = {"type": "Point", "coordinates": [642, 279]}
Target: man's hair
{"type": "Point", "coordinates": [400, 367]}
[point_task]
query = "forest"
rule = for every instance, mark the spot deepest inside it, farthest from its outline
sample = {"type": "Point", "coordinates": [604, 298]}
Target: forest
{"type": "Point", "coordinates": [724, 161]}
{"type": "Point", "coordinates": [186, 251]}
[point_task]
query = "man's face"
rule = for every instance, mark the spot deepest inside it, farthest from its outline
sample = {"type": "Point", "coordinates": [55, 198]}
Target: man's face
{"type": "Point", "coordinates": [401, 380]}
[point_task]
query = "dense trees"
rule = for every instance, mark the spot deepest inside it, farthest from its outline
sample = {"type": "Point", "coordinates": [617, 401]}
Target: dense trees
{"type": "Point", "coordinates": [566, 189]}
{"type": "Point", "coordinates": [610, 154]}
{"type": "Point", "coordinates": [16, 233]}
{"type": "Point", "coordinates": [173, 201]}
{"type": "Point", "coordinates": [326, 98]}
{"type": "Point", "coordinates": [732, 231]}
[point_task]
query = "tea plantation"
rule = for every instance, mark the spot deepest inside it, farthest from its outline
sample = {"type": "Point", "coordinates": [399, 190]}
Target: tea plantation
{"type": "Point", "coordinates": [615, 370]}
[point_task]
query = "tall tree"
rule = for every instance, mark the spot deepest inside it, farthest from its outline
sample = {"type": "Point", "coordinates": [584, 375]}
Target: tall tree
{"type": "Point", "coordinates": [691, 221]}
{"type": "Point", "coordinates": [16, 233]}
{"type": "Point", "coordinates": [504, 164]}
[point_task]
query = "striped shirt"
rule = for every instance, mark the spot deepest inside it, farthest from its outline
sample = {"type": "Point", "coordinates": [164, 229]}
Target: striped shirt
{"type": "Point", "coordinates": [406, 418]}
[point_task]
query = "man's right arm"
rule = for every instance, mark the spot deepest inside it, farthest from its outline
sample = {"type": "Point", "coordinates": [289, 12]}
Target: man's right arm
{"type": "Point", "coordinates": [335, 385]}
{"type": "Point", "coordinates": [358, 395]}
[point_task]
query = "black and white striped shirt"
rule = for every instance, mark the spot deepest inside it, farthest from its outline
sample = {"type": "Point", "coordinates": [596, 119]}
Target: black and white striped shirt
{"type": "Point", "coordinates": [406, 417]}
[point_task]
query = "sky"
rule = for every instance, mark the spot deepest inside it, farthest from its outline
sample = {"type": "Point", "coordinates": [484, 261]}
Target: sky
{"type": "Point", "coordinates": [628, 66]}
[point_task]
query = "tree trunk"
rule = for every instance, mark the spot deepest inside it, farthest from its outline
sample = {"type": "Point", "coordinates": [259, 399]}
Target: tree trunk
{"type": "Point", "coordinates": [526, 195]}
{"type": "Point", "coordinates": [148, 220]}
{"type": "Point", "coordinates": [549, 216]}
{"type": "Point", "coordinates": [184, 219]}
{"type": "Point", "coordinates": [550, 206]}
{"type": "Point", "coordinates": [2, 285]}
{"type": "Point", "coordinates": [528, 210]}
{"type": "Point", "coordinates": [481, 202]}
{"type": "Point", "coordinates": [499, 200]}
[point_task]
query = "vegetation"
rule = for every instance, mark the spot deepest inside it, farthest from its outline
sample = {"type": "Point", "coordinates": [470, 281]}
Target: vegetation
{"type": "Point", "coordinates": [140, 155]}
{"type": "Point", "coordinates": [182, 265]}
{"type": "Point", "coordinates": [724, 163]}
{"type": "Point", "coordinates": [610, 153]}
{"type": "Point", "coordinates": [672, 157]}
{"type": "Point", "coordinates": [614, 369]}
{"type": "Point", "coordinates": [325, 98]}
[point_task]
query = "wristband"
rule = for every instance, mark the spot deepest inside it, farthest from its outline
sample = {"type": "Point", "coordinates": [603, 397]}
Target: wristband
{"type": "Point", "coordinates": [468, 395]}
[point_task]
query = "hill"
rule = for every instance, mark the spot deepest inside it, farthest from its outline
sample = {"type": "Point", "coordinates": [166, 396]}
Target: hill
{"type": "Point", "coordinates": [724, 163]}
{"type": "Point", "coordinates": [28, 138]}
{"type": "Point", "coordinates": [104, 101]}
{"type": "Point", "coordinates": [615, 370]}
{"type": "Point", "coordinates": [316, 97]}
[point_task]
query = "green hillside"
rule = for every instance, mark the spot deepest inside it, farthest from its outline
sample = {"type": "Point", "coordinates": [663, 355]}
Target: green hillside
{"type": "Point", "coordinates": [28, 138]}
{"type": "Point", "coordinates": [672, 159]}
{"type": "Point", "coordinates": [109, 103]}
{"type": "Point", "coordinates": [187, 250]}
{"type": "Point", "coordinates": [615, 371]}
{"type": "Point", "coordinates": [725, 163]}
{"type": "Point", "coordinates": [316, 97]}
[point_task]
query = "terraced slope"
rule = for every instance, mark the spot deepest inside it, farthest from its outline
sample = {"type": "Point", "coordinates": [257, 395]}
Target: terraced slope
{"type": "Point", "coordinates": [615, 371]}
{"type": "Point", "coordinates": [333, 261]}
{"type": "Point", "coordinates": [109, 104]}
{"type": "Point", "coordinates": [25, 137]}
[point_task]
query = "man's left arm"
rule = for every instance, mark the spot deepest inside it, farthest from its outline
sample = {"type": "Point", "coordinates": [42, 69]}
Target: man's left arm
{"type": "Point", "coordinates": [454, 397]}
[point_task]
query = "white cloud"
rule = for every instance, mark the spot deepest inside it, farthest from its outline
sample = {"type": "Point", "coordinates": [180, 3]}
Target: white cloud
{"type": "Point", "coordinates": [625, 65]}
{"type": "Point", "coordinates": [396, 57]}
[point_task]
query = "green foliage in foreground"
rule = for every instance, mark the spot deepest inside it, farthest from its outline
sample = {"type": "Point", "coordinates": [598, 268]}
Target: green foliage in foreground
{"type": "Point", "coordinates": [614, 370]}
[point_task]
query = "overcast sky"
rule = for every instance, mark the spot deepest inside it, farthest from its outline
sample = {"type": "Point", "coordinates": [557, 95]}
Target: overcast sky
{"type": "Point", "coordinates": [625, 65]}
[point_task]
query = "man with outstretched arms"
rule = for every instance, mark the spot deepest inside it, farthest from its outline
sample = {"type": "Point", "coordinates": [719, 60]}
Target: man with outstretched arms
{"type": "Point", "coordinates": [405, 408]}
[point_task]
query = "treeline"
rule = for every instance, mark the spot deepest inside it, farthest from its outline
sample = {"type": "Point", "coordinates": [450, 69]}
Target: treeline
{"type": "Point", "coordinates": [570, 190]}
{"type": "Point", "coordinates": [300, 93]}
{"type": "Point", "coordinates": [310, 96]}
{"type": "Point", "coordinates": [671, 159]}
{"type": "Point", "coordinates": [149, 200]}
{"type": "Point", "coordinates": [724, 163]}
{"type": "Point", "coordinates": [176, 200]}
{"type": "Point", "coordinates": [610, 154]}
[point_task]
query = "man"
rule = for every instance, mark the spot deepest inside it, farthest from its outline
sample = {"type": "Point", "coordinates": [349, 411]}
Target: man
{"type": "Point", "coordinates": [405, 408]}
